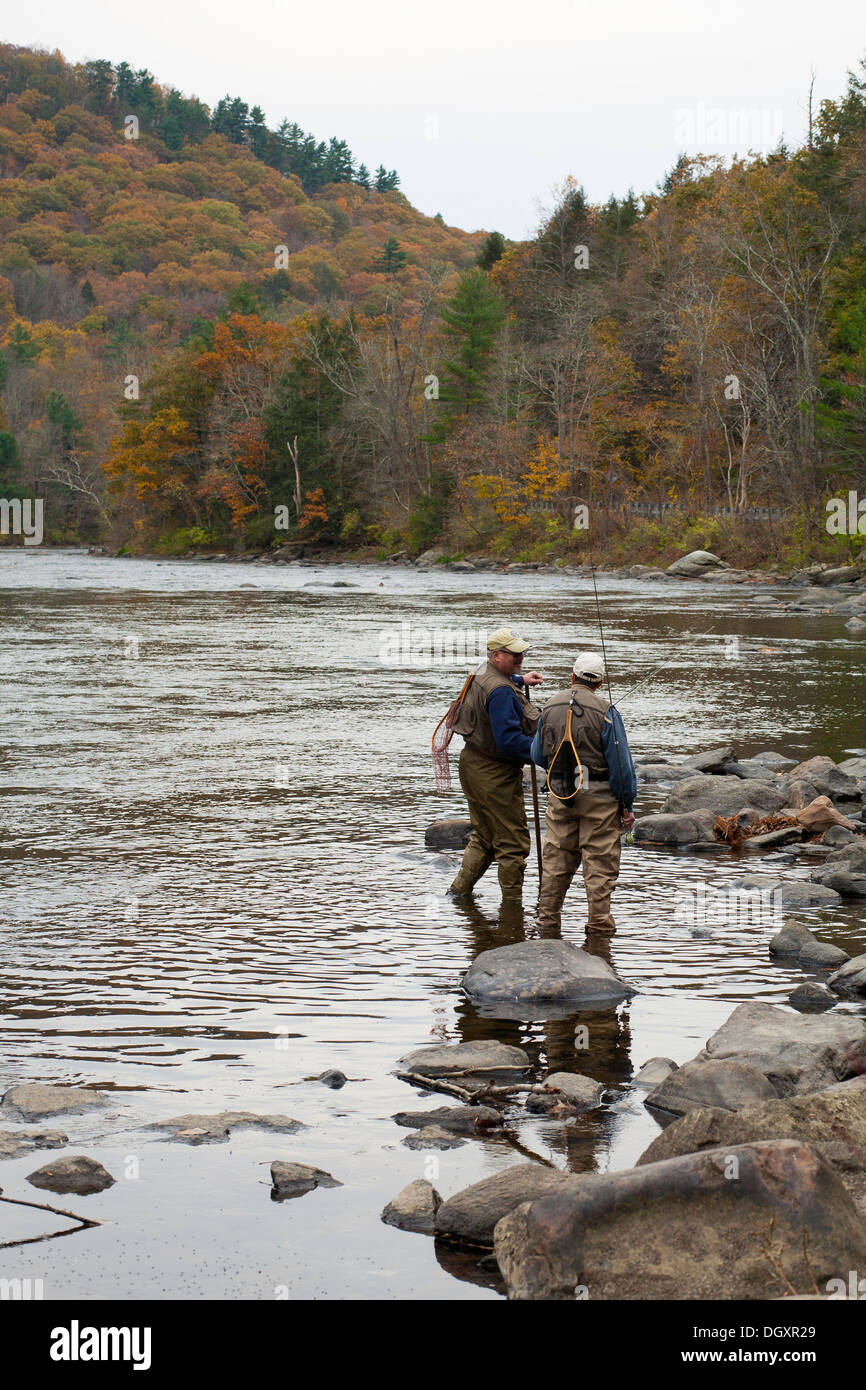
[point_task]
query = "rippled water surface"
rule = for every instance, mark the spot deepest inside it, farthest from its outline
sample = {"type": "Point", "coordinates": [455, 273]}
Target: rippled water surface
{"type": "Point", "coordinates": [215, 886]}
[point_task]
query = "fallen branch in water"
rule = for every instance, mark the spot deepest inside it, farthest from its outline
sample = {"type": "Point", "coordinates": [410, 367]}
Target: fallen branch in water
{"type": "Point", "coordinates": [83, 1222]}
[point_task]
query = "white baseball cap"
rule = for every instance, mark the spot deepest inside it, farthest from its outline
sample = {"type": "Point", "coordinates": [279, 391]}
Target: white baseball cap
{"type": "Point", "coordinates": [588, 667]}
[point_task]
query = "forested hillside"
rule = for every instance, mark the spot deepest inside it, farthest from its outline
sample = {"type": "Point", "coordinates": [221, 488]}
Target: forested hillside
{"type": "Point", "coordinates": [216, 334]}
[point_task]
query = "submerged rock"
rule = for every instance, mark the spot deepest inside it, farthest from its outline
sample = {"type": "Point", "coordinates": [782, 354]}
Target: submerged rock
{"type": "Point", "coordinates": [471, 1215]}
{"type": "Point", "coordinates": [811, 998]}
{"type": "Point", "coordinates": [727, 1085]}
{"type": "Point", "coordinates": [790, 893]}
{"type": "Point", "coordinates": [333, 1078]}
{"type": "Point", "coordinates": [662, 772]}
{"type": "Point", "coordinates": [534, 972]}
{"type": "Point", "coordinates": [433, 1137]}
{"type": "Point", "coordinates": [448, 834]}
{"type": "Point", "coordinates": [75, 1173]}
{"type": "Point", "coordinates": [295, 1179]}
{"type": "Point", "coordinates": [458, 1119]}
{"type": "Point", "coordinates": [682, 1229]}
{"type": "Point", "coordinates": [198, 1129]}
{"type": "Point", "coordinates": [414, 1208]}
{"type": "Point", "coordinates": [33, 1101]}
{"type": "Point", "coordinates": [15, 1142]}
{"type": "Point", "coordinates": [483, 1060]}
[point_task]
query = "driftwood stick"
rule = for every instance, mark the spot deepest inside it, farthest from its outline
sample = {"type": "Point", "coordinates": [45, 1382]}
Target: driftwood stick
{"type": "Point", "coordinates": [84, 1222]}
{"type": "Point", "coordinates": [435, 1083]}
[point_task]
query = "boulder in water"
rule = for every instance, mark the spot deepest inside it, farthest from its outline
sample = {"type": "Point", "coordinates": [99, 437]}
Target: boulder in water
{"type": "Point", "coordinates": [484, 1060]}
{"type": "Point", "coordinates": [694, 828]}
{"type": "Point", "coordinates": [72, 1173]}
{"type": "Point", "coordinates": [696, 564]}
{"type": "Point", "coordinates": [685, 1228]}
{"type": "Point", "coordinates": [448, 834]}
{"type": "Point", "coordinates": [727, 1085]}
{"type": "Point", "coordinates": [543, 972]}
{"type": "Point", "coordinates": [414, 1208]}
{"type": "Point", "coordinates": [723, 796]}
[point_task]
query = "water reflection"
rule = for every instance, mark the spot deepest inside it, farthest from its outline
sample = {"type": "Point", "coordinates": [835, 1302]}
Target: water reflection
{"type": "Point", "coordinates": [215, 885]}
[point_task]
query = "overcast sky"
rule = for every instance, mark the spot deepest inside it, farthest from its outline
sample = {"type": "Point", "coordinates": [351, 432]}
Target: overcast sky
{"type": "Point", "coordinates": [483, 106]}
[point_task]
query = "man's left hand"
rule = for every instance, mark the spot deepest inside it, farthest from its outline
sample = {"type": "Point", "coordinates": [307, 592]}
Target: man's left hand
{"type": "Point", "coordinates": [532, 678]}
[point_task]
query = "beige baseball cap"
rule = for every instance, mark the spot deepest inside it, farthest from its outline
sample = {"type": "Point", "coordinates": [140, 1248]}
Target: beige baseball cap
{"type": "Point", "coordinates": [504, 640]}
{"type": "Point", "coordinates": [588, 666]}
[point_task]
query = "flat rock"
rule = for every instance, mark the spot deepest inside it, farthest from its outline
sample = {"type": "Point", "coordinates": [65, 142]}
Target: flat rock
{"type": "Point", "coordinates": [660, 829]}
{"type": "Point", "coordinates": [448, 834]}
{"type": "Point", "coordinates": [724, 796]}
{"type": "Point", "coordinates": [72, 1173]}
{"type": "Point", "coordinates": [834, 1120]}
{"type": "Point", "coordinates": [433, 1137]}
{"type": "Point", "coordinates": [414, 1208]}
{"type": "Point", "coordinates": [198, 1129]}
{"type": "Point", "coordinates": [729, 1085]}
{"type": "Point", "coordinates": [838, 835]}
{"type": "Point", "coordinates": [32, 1101]}
{"type": "Point", "coordinates": [792, 892]}
{"type": "Point", "coordinates": [662, 772]}
{"type": "Point", "coordinates": [483, 1059]}
{"type": "Point", "coordinates": [683, 1229]}
{"type": "Point", "coordinates": [796, 1052]}
{"type": "Point", "coordinates": [654, 1071]}
{"type": "Point", "coordinates": [581, 1091]}
{"type": "Point", "coordinates": [457, 1119]}
{"type": "Point", "coordinates": [749, 770]}
{"type": "Point", "coordinates": [853, 767]}
{"type": "Point", "coordinates": [775, 761]}
{"type": "Point", "coordinates": [295, 1179]}
{"type": "Point", "coordinates": [851, 979]}
{"type": "Point", "coordinates": [15, 1142]}
{"type": "Point", "coordinates": [534, 972]}
{"type": "Point", "coordinates": [471, 1215]}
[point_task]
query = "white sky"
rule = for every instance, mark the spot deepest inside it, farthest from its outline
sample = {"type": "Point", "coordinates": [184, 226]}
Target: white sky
{"type": "Point", "coordinates": [481, 105]}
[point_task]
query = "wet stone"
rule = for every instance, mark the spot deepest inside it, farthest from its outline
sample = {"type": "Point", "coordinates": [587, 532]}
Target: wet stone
{"type": "Point", "coordinates": [414, 1208]}
{"type": "Point", "coordinates": [458, 1119]}
{"type": "Point", "coordinates": [202, 1129]}
{"type": "Point", "coordinates": [655, 1071]}
{"type": "Point", "coordinates": [448, 834]}
{"type": "Point", "coordinates": [335, 1079]}
{"type": "Point", "coordinates": [75, 1173]}
{"type": "Point", "coordinates": [481, 1059]}
{"type": "Point", "coordinates": [433, 1137]}
{"type": "Point", "coordinates": [533, 972]}
{"type": "Point", "coordinates": [811, 998]}
{"type": "Point", "coordinates": [15, 1142]}
{"type": "Point", "coordinates": [580, 1091]}
{"type": "Point", "coordinates": [33, 1101]}
{"type": "Point", "coordinates": [295, 1179]}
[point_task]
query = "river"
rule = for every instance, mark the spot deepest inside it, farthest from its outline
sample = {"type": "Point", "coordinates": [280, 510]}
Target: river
{"type": "Point", "coordinates": [215, 887]}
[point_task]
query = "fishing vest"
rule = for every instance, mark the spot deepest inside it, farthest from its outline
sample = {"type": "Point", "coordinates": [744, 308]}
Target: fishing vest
{"type": "Point", "coordinates": [473, 721]}
{"type": "Point", "coordinates": [587, 721]}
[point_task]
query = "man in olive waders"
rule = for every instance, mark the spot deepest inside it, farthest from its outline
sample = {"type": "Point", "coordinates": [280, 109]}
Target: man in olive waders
{"type": "Point", "coordinates": [497, 722]}
{"type": "Point", "coordinates": [583, 827]}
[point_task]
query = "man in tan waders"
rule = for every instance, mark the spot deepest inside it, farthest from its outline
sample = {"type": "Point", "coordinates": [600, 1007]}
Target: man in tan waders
{"type": "Point", "coordinates": [583, 826]}
{"type": "Point", "coordinates": [497, 722]}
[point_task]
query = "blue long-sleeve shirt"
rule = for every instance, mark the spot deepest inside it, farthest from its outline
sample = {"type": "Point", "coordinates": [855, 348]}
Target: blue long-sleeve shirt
{"type": "Point", "coordinates": [623, 778]}
{"type": "Point", "coordinates": [504, 712]}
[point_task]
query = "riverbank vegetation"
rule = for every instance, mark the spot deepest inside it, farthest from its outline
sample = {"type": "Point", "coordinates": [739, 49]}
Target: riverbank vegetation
{"type": "Point", "coordinates": [216, 335]}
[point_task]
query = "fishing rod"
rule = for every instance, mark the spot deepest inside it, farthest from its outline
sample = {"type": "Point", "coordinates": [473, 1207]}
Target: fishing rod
{"type": "Point", "coordinates": [609, 691]}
